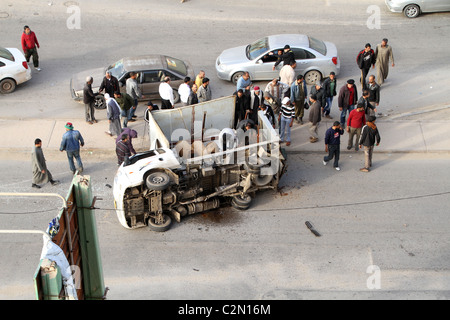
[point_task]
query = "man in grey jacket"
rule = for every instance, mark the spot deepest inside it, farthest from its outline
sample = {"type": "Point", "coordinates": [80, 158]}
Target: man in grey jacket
{"type": "Point", "coordinates": [40, 171]}
{"type": "Point", "coordinates": [134, 91]}
{"type": "Point", "coordinates": [314, 118]}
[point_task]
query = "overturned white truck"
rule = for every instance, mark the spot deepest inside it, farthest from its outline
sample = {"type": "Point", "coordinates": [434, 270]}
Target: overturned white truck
{"type": "Point", "coordinates": [196, 163]}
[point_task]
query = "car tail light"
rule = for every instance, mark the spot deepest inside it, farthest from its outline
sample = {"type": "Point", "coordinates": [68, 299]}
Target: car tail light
{"type": "Point", "coordinates": [335, 60]}
{"type": "Point", "coordinates": [25, 64]}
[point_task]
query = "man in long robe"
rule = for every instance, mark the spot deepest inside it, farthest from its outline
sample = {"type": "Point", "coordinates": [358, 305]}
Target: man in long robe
{"type": "Point", "coordinates": [40, 172]}
{"type": "Point", "coordinates": [383, 54]}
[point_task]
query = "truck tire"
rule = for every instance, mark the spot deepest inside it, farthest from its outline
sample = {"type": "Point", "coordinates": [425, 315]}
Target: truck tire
{"type": "Point", "coordinates": [157, 181]}
{"type": "Point", "coordinates": [167, 221]}
{"type": "Point", "coordinates": [242, 201]}
{"type": "Point", "coordinates": [260, 180]}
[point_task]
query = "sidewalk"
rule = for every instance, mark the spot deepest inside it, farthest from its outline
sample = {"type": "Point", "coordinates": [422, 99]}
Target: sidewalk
{"type": "Point", "coordinates": [396, 136]}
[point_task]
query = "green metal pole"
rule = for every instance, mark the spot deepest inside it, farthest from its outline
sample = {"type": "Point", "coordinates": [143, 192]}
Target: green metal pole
{"type": "Point", "coordinates": [90, 250]}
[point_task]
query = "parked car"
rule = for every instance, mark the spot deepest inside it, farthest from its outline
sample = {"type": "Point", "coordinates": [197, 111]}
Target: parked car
{"type": "Point", "coordinates": [14, 69]}
{"type": "Point", "coordinates": [151, 70]}
{"type": "Point", "coordinates": [315, 58]}
{"type": "Point", "coordinates": [413, 8]}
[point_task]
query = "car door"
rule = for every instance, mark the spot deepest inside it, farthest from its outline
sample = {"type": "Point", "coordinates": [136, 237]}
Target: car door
{"type": "Point", "coordinates": [150, 80]}
{"type": "Point", "coordinates": [304, 58]}
{"type": "Point", "coordinates": [264, 64]}
{"type": "Point", "coordinates": [435, 5]}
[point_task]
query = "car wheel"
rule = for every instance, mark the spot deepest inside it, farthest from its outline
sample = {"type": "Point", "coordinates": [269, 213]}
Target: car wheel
{"type": "Point", "coordinates": [100, 102]}
{"type": "Point", "coordinates": [312, 77]}
{"type": "Point", "coordinates": [160, 226]}
{"type": "Point", "coordinates": [157, 181]}
{"type": "Point", "coordinates": [236, 77]}
{"type": "Point", "coordinates": [411, 11]}
{"type": "Point", "coordinates": [7, 86]}
{"type": "Point", "coordinates": [176, 96]}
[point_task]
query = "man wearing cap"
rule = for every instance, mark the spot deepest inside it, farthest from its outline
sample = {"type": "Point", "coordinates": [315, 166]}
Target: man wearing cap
{"type": "Point", "coordinates": [89, 101]}
{"type": "Point", "coordinates": [71, 142]}
{"type": "Point", "coordinates": [347, 99]}
{"type": "Point", "coordinates": [329, 86]}
{"type": "Point", "coordinates": [287, 57]}
{"type": "Point", "coordinates": [286, 119]}
{"type": "Point", "coordinates": [365, 59]}
{"type": "Point", "coordinates": [383, 53]}
{"type": "Point", "coordinates": [299, 92]}
{"type": "Point", "coordinates": [29, 44]}
{"type": "Point", "coordinates": [256, 100]}
{"type": "Point", "coordinates": [369, 135]}
{"type": "Point", "coordinates": [314, 118]}
{"type": "Point", "coordinates": [150, 107]}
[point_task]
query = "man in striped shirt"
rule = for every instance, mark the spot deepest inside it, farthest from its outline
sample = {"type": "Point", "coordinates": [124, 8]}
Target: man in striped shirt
{"type": "Point", "coordinates": [286, 119]}
{"type": "Point", "coordinates": [122, 150]}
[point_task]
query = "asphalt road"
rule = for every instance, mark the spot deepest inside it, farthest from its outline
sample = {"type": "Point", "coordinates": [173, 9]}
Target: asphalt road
{"type": "Point", "coordinates": [394, 218]}
{"type": "Point", "coordinates": [266, 252]}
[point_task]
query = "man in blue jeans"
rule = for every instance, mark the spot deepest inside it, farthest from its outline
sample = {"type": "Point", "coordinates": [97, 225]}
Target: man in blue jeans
{"type": "Point", "coordinates": [332, 144]}
{"type": "Point", "coordinates": [286, 119]}
{"type": "Point", "coordinates": [71, 142]}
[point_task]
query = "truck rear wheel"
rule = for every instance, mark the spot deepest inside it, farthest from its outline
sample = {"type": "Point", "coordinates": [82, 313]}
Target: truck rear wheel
{"type": "Point", "coordinates": [160, 226]}
{"type": "Point", "coordinates": [241, 202]}
{"type": "Point", "coordinates": [157, 181]}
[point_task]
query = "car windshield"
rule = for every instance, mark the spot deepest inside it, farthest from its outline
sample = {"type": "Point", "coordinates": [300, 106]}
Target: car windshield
{"type": "Point", "coordinates": [116, 69]}
{"type": "Point", "coordinates": [176, 65]}
{"type": "Point", "coordinates": [255, 49]}
{"type": "Point", "coordinates": [318, 45]}
{"type": "Point", "coordinates": [4, 53]}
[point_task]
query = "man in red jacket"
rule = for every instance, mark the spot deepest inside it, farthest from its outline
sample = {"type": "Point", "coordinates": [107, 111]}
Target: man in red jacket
{"type": "Point", "coordinates": [356, 120]}
{"type": "Point", "coordinates": [29, 44]}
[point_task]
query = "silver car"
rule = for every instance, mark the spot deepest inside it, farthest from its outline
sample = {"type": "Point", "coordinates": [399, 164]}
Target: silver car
{"type": "Point", "coordinates": [412, 8]}
{"type": "Point", "coordinates": [315, 58]}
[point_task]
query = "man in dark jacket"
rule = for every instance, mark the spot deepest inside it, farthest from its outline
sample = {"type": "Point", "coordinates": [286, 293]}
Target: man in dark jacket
{"type": "Point", "coordinates": [125, 102]}
{"type": "Point", "coordinates": [329, 86]}
{"type": "Point", "coordinates": [320, 94]}
{"type": "Point", "coordinates": [110, 84]}
{"type": "Point", "coordinates": [314, 118]}
{"type": "Point", "coordinates": [123, 151]}
{"type": "Point", "coordinates": [332, 144]}
{"type": "Point", "coordinates": [374, 91]}
{"type": "Point", "coordinates": [369, 135]}
{"type": "Point", "coordinates": [347, 99]}
{"type": "Point", "coordinates": [89, 101]}
{"type": "Point", "coordinates": [287, 57]}
{"type": "Point", "coordinates": [241, 107]}
{"type": "Point", "coordinates": [365, 59]}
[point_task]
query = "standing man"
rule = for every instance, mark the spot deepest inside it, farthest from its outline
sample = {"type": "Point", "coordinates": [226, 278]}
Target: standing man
{"type": "Point", "coordinates": [110, 84]}
{"type": "Point", "coordinates": [369, 109]}
{"type": "Point", "coordinates": [199, 78]}
{"type": "Point", "coordinates": [356, 120]}
{"type": "Point", "coordinates": [29, 44]}
{"type": "Point", "coordinates": [89, 101]}
{"type": "Point", "coordinates": [347, 99]}
{"type": "Point", "coordinates": [123, 151]}
{"type": "Point", "coordinates": [166, 93]}
{"type": "Point", "coordinates": [244, 83]}
{"type": "Point", "coordinates": [134, 92]}
{"type": "Point", "coordinates": [299, 92]}
{"type": "Point", "coordinates": [268, 112]}
{"type": "Point", "coordinates": [256, 100]}
{"type": "Point", "coordinates": [204, 92]}
{"type": "Point", "coordinates": [193, 98]}
{"type": "Point", "coordinates": [374, 92]}
{"type": "Point", "coordinates": [287, 73]}
{"type": "Point", "coordinates": [329, 86]}
{"type": "Point", "coordinates": [185, 90]}
{"type": "Point", "coordinates": [125, 102]}
{"type": "Point", "coordinates": [365, 59]}
{"type": "Point", "coordinates": [71, 142]}
{"type": "Point", "coordinates": [277, 91]}
{"type": "Point", "coordinates": [39, 167]}
{"type": "Point", "coordinates": [286, 119]}
{"type": "Point", "coordinates": [113, 115]}
{"type": "Point", "coordinates": [368, 136]}
{"type": "Point", "coordinates": [287, 57]}
{"type": "Point", "coordinates": [241, 107]}
{"type": "Point", "coordinates": [383, 53]}
{"type": "Point", "coordinates": [333, 144]}
{"type": "Point", "coordinates": [314, 118]}
{"type": "Point", "coordinates": [321, 96]}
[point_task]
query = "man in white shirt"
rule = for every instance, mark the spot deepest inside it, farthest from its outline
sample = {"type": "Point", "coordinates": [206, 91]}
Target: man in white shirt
{"type": "Point", "coordinates": [287, 73]}
{"type": "Point", "coordinates": [166, 93]}
{"type": "Point", "coordinates": [185, 90]}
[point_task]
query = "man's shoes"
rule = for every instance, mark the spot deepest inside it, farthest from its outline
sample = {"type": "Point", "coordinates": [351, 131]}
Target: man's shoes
{"type": "Point", "coordinates": [134, 117]}
{"type": "Point", "coordinates": [94, 121]}
{"type": "Point", "coordinates": [34, 185]}
{"type": "Point", "coordinates": [38, 69]}
{"type": "Point", "coordinates": [90, 122]}
{"type": "Point", "coordinates": [108, 133]}
{"type": "Point", "coordinates": [348, 148]}
{"type": "Point", "coordinates": [324, 162]}
{"type": "Point", "coordinates": [54, 182]}
{"type": "Point", "coordinates": [338, 169]}
{"type": "Point", "coordinates": [328, 116]}
{"type": "Point", "coordinates": [313, 140]}
{"type": "Point", "coordinates": [288, 143]}
{"type": "Point", "coordinates": [131, 120]}
{"type": "Point", "coordinates": [364, 170]}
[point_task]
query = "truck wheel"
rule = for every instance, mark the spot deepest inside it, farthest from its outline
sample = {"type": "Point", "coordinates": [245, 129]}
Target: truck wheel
{"type": "Point", "coordinates": [236, 206]}
{"type": "Point", "coordinates": [157, 181]}
{"type": "Point", "coordinates": [162, 227]}
{"type": "Point", "coordinates": [242, 201]}
{"type": "Point", "coordinates": [260, 180]}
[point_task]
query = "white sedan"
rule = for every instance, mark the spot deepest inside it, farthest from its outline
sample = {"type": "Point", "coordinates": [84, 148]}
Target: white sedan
{"type": "Point", "coordinates": [14, 69]}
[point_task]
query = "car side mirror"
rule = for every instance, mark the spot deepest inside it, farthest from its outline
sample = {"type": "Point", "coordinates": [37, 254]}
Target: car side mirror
{"type": "Point", "coordinates": [259, 61]}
